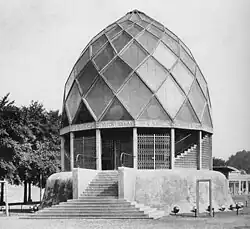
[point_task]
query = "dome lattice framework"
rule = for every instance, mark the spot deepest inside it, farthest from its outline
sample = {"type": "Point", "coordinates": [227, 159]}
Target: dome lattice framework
{"type": "Point", "coordinates": [136, 69]}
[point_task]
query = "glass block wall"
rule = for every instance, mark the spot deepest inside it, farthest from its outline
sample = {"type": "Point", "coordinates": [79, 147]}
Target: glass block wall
{"type": "Point", "coordinates": [206, 152]}
{"type": "Point", "coordinates": [136, 69]}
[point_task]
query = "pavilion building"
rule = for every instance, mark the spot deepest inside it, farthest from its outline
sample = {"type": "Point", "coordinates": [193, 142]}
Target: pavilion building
{"type": "Point", "coordinates": [136, 97]}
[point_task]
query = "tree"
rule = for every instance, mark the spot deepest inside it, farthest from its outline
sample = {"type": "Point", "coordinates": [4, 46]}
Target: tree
{"type": "Point", "coordinates": [29, 143]}
{"type": "Point", "coordinates": [42, 158]}
{"type": "Point", "coordinates": [241, 160]}
{"type": "Point", "coordinates": [218, 162]}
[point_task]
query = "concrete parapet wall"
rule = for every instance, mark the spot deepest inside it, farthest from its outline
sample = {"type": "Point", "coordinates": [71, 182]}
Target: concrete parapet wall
{"type": "Point", "coordinates": [81, 180]}
{"type": "Point", "coordinates": [163, 189]}
{"type": "Point", "coordinates": [58, 189]}
{"type": "Point", "coordinates": [126, 183]}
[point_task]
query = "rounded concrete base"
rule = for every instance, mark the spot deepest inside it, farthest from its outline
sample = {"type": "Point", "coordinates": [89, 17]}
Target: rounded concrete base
{"type": "Point", "coordinates": [58, 189]}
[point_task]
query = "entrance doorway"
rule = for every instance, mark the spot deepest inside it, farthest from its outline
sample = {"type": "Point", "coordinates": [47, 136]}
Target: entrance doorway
{"type": "Point", "coordinates": [114, 143]}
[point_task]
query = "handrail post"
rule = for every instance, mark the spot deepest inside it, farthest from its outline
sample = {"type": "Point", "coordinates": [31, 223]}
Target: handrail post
{"type": "Point", "coordinates": [72, 136]}
{"type": "Point", "coordinates": [98, 150]}
{"type": "Point", "coordinates": [172, 158]}
{"type": "Point", "coordinates": [122, 156]}
{"type": "Point", "coordinates": [199, 150]}
{"type": "Point", "coordinates": [6, 198]}
{"type": "Point", "coordinates": [135, 147]}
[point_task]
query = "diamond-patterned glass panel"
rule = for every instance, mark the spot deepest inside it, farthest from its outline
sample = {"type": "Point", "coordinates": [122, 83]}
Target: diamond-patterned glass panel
{"type": "Point", "coordinates": [116, 111]}
{"type": "Point", "coordinates": [120, 41]}
{"type": "Point", "coordinates": [154, 111]}
{"type": "Point", "coordinates": [69, 83]}
{"type": "Point", "coordinates": [64, 120]}
{"type": "Point", "coordinates": [116, 73]}
{"type": "Point", "coordinates": [171, 34]}
{"type": "Point", "coordinates": [164, 55]}
{"type": "Point", "coordinates": [82, 61]}
{"type": "Point", "coordinates": [185, 48]}
{"type": "Point", "coordinates": [170, 96]}
{"type": "Point", "coordinates": [126, 24]}
{"type": "Point", "coordinates": [206, 119]}
{"type": "Point", "coordinates": [159, 25]}
{"type": "Point", "coordinates": [135, 95]}
{"type": "Point", "coordinates": [187, 114]}
{"type": "Point", "coordinates": [197, 98]}
{"type": "Point", "coordinates": [142, 23]}
{"type": "Point", "coordinates": [155, 30]}
{"type": "Point", "coordinates": [134, 55]}
{"type": "Point", "coordinates": [171, 43]}
{"type": "Point", "coordinates": [99, 96]}
{"type": "Point", "coordinates": [135, 17]}
{"type": "Point", "coordinates": [148, 41]}
{"type": "Point", "coordinates": [183, 76]}
{"type": "Point", "coordinates": [145, 17]}
{"type": "Point", "coordinates": [209, 100]}
{"type": "Point", "coordinates": [98, 44]}
{"type": "Point", "coordinates": [134, 30]}
{"type": "Point", "coordinates": [126, 17]}
{"type": "Point", "coordinates": [87, 76]}
{"type": "Point", "coordinates": [73, 101]}
{"type": "Point", "coordinates": [83, 115]}
{"type": "Point", "coordinates": [105, 56]}
{"type": "Point", "coordinates": [201, 80]}
{"type": "Point", "coordinates": [152, 73]}
{"type": "Point", "coordinates": [112, 32]}
{"type": "Point", "coordinates": [187, 60]}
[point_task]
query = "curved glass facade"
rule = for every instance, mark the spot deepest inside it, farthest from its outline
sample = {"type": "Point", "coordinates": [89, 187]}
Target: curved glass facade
{"type": "Point", "coordinates": [136, 69]}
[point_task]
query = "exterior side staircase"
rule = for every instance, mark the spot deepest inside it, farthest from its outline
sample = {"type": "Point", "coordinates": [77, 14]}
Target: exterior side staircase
{"type": "Point", "coordinates": [188, 159]}
{"type": "Point", "coordinates": [99, 200]}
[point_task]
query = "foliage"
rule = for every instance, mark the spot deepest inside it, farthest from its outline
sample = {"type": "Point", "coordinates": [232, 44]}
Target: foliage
{"type": "Point", "coordinates": [218, 162]}
{"type": "Point", "coordinates": [29, 142]}
{"type": "Point", "coordinates": [241, 160]}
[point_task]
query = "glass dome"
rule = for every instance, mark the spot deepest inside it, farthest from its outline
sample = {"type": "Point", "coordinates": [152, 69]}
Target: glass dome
{"type": "Point", "coordinates": [136, 69]}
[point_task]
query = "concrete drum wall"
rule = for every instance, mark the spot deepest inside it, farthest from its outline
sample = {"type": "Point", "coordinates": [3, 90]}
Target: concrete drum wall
{"type": "Point", "coordinates": [163, 189]}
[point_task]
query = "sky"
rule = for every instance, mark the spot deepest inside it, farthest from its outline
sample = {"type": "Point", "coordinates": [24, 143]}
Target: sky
{"type": "Point", "coordinates": [41, 40]}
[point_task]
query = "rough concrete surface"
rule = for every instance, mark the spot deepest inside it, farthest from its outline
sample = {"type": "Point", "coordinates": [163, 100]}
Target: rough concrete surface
{"type": "Point", "coordinates": [164, 189]}
{"type": "Point", "coordinates": [58, 189]}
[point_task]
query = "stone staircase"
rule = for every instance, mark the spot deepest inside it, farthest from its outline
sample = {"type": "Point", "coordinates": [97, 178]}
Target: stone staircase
{"type": "Point", "coordinates": [99, 200]}
{"type": "Point", "coordinates": [188, 159]}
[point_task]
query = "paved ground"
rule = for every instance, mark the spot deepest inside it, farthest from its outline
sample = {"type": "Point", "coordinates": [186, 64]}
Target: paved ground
{"type": "Point", "coordinates": [225, 220]}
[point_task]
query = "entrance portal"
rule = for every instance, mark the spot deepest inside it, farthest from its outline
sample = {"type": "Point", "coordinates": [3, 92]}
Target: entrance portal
{"type": "Point", "coordinates": [114, 143]}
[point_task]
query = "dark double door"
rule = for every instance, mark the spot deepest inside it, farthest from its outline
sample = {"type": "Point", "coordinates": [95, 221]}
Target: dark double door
{"type": "Point", "coordinates": [113, 145]}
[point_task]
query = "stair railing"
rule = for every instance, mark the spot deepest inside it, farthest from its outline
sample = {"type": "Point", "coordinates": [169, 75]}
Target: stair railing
{"type": "Point", "coordinates": [83, 156]}
{"type": "Point", "coordinates": [123, 154]}
{"type": "Point", "coordinates": [184, 144]}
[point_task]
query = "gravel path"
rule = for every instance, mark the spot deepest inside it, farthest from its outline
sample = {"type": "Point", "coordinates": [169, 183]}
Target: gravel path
{"type": "Point", "coordinates": [166, 222]}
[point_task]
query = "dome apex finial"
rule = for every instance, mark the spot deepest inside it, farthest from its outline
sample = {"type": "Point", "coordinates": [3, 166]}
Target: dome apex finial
{"type": "Point", "coordinates": [134, 11]}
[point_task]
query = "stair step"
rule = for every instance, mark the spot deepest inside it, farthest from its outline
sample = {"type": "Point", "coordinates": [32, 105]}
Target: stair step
{"type": "Point", "coordinates": [98, 197]}
{"type": "Point", "coordinates": [93, 207]}
{"type": "Point", "coordinates": [103, 182]}
{"type": "Point", "coordinates": [79, 201]}
{"type": "Point", "coordinates": [101, 188]}
{"type": "Point", "coordinates": [91, 214]}
{"type": "Point", "coordinates": [86, 217]}
{"type": "Point", "coordinates": [93, 211]}
{"type": "Point", "coordinates": [98, 201]}
{"type": "Point", "coordinates": [94, 185]}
